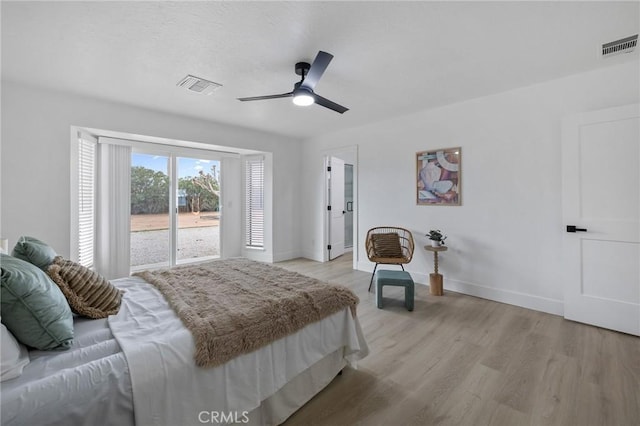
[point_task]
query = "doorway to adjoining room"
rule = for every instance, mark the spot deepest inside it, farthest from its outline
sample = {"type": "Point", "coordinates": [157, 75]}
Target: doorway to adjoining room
{"type": "Point", "coordinates": [348, 207]}
{"type": "Point", "coordinates": [341, 203]}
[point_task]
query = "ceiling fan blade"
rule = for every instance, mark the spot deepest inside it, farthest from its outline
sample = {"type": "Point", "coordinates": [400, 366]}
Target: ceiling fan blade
{"type": "Point", "coordinates": [319, 65]}
{"type": "Point", "coordinates": [330, 104]}
{"type": "Point", "coordinates": [260, 98]}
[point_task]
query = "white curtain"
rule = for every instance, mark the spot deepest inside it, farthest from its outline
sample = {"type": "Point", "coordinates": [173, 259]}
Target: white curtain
{"type": "Point", "coordinates": [112, 257]}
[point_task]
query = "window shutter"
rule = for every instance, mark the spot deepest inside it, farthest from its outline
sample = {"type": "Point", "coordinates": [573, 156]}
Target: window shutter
{"type": "Point", "coordinates": [86, 201]}
{"type": "Point", "coordinates": [254, 202]}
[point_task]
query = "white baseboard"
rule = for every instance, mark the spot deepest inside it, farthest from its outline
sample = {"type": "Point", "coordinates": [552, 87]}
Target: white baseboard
{"type": "Point", "coordinates": [317, 256]}
{"type": "Point", "coordinates": [524, 300]}
{"type": "Point", "coordinates": [529, 301]}
{"type": "Point", "coordinates": [258, 255]}
{"type": "Point", "coordinates": [288, 255]}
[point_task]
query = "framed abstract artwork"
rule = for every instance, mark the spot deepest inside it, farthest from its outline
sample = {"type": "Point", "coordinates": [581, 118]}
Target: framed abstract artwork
{"type": "Point", "coordinates": [438, 175]}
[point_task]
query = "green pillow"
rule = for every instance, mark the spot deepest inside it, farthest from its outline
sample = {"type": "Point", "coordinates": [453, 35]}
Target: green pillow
{"type": "Point", "coordinates": [32, 307]}
{"type": "Point", "coordinates": [34, 251]}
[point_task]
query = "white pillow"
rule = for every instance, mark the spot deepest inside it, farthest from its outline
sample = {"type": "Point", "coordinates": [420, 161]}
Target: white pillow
{"type": "Point", "coordinates": [14, 356]}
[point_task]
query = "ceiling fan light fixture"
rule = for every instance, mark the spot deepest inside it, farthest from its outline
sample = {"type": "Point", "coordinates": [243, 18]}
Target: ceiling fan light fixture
{"type": "Point", "coordinates": [303, 97]}
{"type": "Point", "coordinates": [302, 93]}
{"type": "Point", "coordinates": [303, 100]}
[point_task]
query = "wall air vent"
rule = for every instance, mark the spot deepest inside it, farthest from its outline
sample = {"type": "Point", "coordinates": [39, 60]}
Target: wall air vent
{"type": "Point", "coordinates": [624, 45]}
{"type": "Point", "coordinates": [199, 85]}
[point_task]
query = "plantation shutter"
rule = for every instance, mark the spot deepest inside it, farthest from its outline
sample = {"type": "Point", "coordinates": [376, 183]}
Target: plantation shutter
{"type": "Point", "coordinates": [86, 200]}
{"type": "Point", "coordinates": [254, 202]}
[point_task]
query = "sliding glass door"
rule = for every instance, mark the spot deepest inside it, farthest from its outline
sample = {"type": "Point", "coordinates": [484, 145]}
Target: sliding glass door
{"type": "Point", "coordinates": [167, 230]}
{"type": "Point", "coordinates": [150, 219]}
{"type": "Point", "coordinates": [198, 219]}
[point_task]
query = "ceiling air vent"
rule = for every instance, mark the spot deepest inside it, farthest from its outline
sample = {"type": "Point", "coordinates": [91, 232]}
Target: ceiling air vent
{"type": "Point", "coordinates": [624, 45]}
{"type": "Point", "coordinates": [198, 85]}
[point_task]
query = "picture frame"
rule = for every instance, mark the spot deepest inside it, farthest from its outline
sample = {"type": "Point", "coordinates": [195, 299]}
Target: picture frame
{"type": "Point", "coordinates": [438, 177]}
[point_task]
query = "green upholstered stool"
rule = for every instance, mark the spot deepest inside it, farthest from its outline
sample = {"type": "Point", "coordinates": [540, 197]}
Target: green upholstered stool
{"type": "Point", "coordinates": [398, 279]}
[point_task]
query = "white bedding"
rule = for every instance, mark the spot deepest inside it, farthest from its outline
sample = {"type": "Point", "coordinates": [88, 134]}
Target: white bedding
{"type": "Point", "coordinates": [86, 385]}
{"type": "Point", "coordinates": [169, 389]}
{"type": "Point", "coordinates": [91, 383]}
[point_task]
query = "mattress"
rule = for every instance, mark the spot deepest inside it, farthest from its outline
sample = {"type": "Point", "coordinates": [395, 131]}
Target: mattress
{"type": "Point", "coordinates": [153, 381]}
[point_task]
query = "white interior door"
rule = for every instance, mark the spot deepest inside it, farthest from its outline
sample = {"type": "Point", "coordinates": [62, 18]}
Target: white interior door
{"type": "Point", "coordinates": [601, 199]}
{"type": "Point", "coordinates": [335, 172]}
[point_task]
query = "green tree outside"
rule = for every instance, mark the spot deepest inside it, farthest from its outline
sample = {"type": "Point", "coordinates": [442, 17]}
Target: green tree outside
{"type": "Point", "coordinates": [150, 191]}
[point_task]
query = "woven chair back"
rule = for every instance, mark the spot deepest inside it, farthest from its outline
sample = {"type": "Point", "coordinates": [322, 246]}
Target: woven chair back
{"type": "Point", "coordinates": [389, 245]}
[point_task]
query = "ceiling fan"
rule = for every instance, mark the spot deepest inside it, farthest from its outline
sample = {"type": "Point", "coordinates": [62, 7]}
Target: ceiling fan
{"type": "Point", "coordinates": [303, 93]}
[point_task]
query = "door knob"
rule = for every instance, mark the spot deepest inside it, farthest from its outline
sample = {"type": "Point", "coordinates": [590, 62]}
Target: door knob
{"type": "Point", "coordinates": [573, 228]}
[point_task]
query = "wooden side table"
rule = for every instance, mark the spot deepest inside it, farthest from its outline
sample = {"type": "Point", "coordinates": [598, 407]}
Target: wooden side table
{"type": "Point", "coordinates": [435, 279]}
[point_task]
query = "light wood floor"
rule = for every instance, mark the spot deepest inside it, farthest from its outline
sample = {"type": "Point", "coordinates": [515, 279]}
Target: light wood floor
{"type": "Point", "coordinates": [461, 360]}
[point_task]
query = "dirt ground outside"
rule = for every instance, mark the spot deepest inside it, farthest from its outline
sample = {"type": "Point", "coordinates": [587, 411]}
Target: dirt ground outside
{"type": "Point", "coordinates": [198, 236]}
{"type": "Point", "coordinates": [152, 222]}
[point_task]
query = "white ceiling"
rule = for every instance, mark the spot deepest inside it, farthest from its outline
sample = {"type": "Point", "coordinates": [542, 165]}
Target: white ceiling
{"type": "Point", "coordinates": [391, 58]}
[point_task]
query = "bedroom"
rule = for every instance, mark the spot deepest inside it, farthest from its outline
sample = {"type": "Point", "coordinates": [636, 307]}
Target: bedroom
{"type": "Point", "coordinates": [501, 103]}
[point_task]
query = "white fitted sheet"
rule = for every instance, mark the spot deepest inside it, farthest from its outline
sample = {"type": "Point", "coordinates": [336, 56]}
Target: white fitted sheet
{"type": "Point", "coordinates": [86, 385]}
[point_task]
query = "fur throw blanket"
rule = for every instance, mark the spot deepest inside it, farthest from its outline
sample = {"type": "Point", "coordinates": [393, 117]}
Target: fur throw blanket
{"type": "Point", "coordinates": [235, 306]}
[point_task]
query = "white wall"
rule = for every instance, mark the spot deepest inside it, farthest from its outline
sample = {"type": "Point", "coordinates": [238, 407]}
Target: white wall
{"type": "Point", "coordinates": [36, 156]}
{"type": "Point", "coordinates": [505, 240]}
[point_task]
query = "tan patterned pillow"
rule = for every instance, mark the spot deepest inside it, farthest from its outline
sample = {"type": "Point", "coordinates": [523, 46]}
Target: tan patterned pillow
{"type": "Point", "coordinates": [87, 292]}
{"type": "Point", "coordinates": [387, 245]}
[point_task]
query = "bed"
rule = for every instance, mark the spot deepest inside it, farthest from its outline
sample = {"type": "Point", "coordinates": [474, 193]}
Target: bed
{"type": "Point", "coordinates": [138, 368]}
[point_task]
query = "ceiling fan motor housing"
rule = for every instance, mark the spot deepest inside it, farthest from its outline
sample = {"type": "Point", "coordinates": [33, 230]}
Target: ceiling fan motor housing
{"type": "Point", "coordinates": [302, 68]}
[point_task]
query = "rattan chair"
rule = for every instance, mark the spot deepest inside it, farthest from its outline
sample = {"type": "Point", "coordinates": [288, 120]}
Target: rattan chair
{"type": "Point", "coordinates": [389, 245]}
